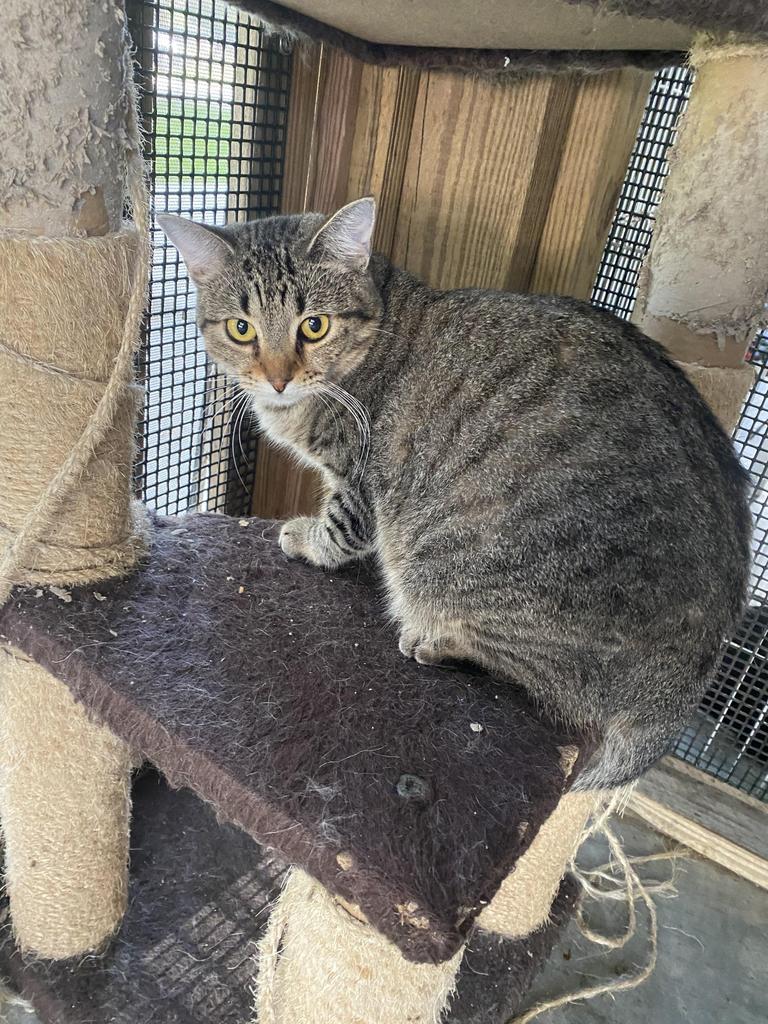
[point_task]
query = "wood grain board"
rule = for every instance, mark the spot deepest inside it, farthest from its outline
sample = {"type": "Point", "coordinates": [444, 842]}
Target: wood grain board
{"type": "Point", "coordinates": [490, 183]}
{"type": "Point", "coordinates": [710, 817]}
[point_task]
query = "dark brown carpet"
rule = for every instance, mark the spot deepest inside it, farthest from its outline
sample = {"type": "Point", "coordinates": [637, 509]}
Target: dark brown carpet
{"type": "Point", "coordinates": [277, 693]}
{"type": "Point", "coordinates": [198, 904]}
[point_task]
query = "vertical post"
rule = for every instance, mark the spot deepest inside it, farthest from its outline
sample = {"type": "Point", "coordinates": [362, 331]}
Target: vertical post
{"type": "Point", "coordinates": [65, 807]}
{"type": "Point", "coordinates": [321, 962]}
{"type": "Point", "coordinates": [69, 132]}
{"type": "Point", "coordinates": [68, 109]}
{"type": "Point", "coordinates": [703, 286]}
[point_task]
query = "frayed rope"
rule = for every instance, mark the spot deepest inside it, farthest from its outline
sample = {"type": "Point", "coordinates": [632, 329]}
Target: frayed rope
{"type": "Point", "coordinates": [269, 956]}
{"type": "Point", "coordinates": [628, 890]}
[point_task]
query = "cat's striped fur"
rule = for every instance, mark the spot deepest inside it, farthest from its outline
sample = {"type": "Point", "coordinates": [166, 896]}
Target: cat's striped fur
{"type": "Point", "coordinates": [545, 492]}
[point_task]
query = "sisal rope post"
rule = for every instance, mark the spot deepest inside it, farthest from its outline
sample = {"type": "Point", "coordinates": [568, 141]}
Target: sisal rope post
{"type": "Point", "coordinates": [524, 900]}
{"type": "Point", "coordinates": [66, 804]}
{"type": "Point", "coordinates": [320, 961]}
{"type": "Point", "coordinates": [703, 285]}
{"type": "Point", "coordinates": [72, 291]}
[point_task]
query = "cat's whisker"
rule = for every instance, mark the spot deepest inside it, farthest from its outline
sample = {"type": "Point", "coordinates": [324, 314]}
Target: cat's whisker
{"type": "Point", "coordinates": [216, 390]}
{"type": "Point", "coordinates": [357, 412]}
{"type": "Point", "coordinates": [331, 408]}
{"type": "Point", "coordinates": [355, 404]}
{"type": "Point", "coordinates": [355, 418]}
{"type": "Point", "coordinates": [220, 386]}
{"type": "Point", "coordinates": [219, 408]}
{"type": "Point", "coordinates": [244, 411]}
{"type": "Point", "coordinates": [241, 407]}
{"type": "Point", "coordinates": [361, 417]}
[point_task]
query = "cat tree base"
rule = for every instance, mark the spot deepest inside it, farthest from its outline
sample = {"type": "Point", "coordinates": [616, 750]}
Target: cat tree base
{"type": "Point", "coordinates": [199, 900]}
{"type": "Point", "coordinates": [217, 661]}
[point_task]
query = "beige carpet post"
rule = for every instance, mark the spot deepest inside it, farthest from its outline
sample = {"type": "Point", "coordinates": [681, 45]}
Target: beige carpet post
{"type": "Point", "coordinates": [66, 803]}
{"type": "Point", "coordinates": [72, 285]}
{"type": "Point", "coordinates": [321, 962]}
{"type": "Point", "coordinates": [523, 903]}
{"type": "Point", "coordinates": [703, 286]}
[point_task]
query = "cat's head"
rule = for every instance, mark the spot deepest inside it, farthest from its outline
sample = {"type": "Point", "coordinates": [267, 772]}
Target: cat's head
{"type": "Point", "coordinates": [285, 304]}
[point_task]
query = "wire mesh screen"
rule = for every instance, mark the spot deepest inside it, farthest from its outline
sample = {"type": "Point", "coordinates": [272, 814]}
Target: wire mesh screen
{"type": "Point", "coordinates": [728, 737]}
{"type": "Point", "coordinates": [629, 238]}
{"type": "Point", "coordinates": [214, 95]}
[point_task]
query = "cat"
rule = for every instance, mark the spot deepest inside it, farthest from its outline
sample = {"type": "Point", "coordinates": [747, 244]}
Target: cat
{"type": "Point", "coordinates": [546, 494]}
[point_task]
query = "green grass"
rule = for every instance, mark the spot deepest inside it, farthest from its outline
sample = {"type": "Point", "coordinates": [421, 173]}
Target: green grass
{"type": "Point", "coordinates": [192, 138]}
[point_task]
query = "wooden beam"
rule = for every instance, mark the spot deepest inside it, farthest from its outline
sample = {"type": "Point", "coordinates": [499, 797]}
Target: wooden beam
{"type": "Point", "coordinates": [601, 132]}
{"type": "Point", "coordinates": [322, 110]}
{"type": "Point", "coordinates": [493, 183]}
{"type": "Point", "coordinates": [385, 115]}
{"type": "Point", "coordinates": [549, 155]}
{"type": "Point", "coordinates": [513, 184]}
{"type": "Point", "coordinates": [710, 817]}
{"type": "Point", "coordinates": [471, 162]}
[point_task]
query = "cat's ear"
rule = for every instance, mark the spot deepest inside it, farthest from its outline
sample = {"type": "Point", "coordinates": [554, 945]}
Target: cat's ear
{"type": "Point", "coordinates": [346, 237]}
{"type": "Point", "coordinates": [203, 249]}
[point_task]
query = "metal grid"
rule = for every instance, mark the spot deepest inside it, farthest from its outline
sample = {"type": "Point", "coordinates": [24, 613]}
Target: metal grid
{"type": "Point", "coordinates": [629, 238]}
{"type": "Point", "coordinates": [214, 95]}
{"type": "Point", "coordinates": [728, 737]}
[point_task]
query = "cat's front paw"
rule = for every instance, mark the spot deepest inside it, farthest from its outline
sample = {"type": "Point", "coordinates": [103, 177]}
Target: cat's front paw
{"type": "Point", "coordinates": [426, 650]}
{"type": "Point", "coordinates": [294, 538]}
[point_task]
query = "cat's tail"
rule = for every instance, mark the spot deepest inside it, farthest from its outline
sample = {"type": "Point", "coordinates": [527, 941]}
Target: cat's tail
{"type": "Point", "coordinates": [625, 753]}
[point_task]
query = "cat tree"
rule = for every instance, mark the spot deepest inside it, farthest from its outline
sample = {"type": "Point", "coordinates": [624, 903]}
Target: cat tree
{"type": "Point", "coordinates": [410, 802]}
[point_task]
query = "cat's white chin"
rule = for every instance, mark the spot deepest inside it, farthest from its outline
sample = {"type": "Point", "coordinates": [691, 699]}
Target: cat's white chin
{"type": "Point", "coordinates": [272, 401]}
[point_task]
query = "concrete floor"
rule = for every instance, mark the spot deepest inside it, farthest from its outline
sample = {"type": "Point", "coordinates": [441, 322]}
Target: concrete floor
{"type": "Point", "coordinates": [713, 949]}
{"type": "Point", "coordinates": [712, 963]}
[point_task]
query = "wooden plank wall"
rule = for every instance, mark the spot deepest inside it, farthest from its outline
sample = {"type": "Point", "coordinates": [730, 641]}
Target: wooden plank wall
{"type": "Point", "coordinates": [492, 183]}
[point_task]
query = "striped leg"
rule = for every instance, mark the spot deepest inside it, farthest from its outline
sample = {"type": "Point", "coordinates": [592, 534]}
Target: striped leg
{"type": "Point", "coordinates": [339, 535]}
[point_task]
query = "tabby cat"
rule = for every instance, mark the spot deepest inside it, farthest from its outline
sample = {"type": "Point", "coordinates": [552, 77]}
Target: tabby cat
{"type": "Point", "coordinates": [544, 491]}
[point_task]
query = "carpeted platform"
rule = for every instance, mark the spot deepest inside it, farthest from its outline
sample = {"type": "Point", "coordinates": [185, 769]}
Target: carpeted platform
{"type": "Point", "coordinates": [277, 693]}
{"type": "Point", "coordinates": [199, 900]}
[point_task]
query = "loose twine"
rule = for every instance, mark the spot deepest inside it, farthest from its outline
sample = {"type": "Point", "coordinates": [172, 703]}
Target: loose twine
{"type": "Point", "coordinates": [40, 517]}
{"type": "Point", "coordinates": [628, 891]}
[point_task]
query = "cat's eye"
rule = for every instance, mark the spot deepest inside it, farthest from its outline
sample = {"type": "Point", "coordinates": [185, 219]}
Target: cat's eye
{"type": "Point", "coordinates": [241, 331]}
{"type": "Point", "coordinates": [313, 328]}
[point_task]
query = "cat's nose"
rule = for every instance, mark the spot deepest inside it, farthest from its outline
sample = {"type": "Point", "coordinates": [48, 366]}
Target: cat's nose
{"type": "Point", "coordinates": [279, 383]}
